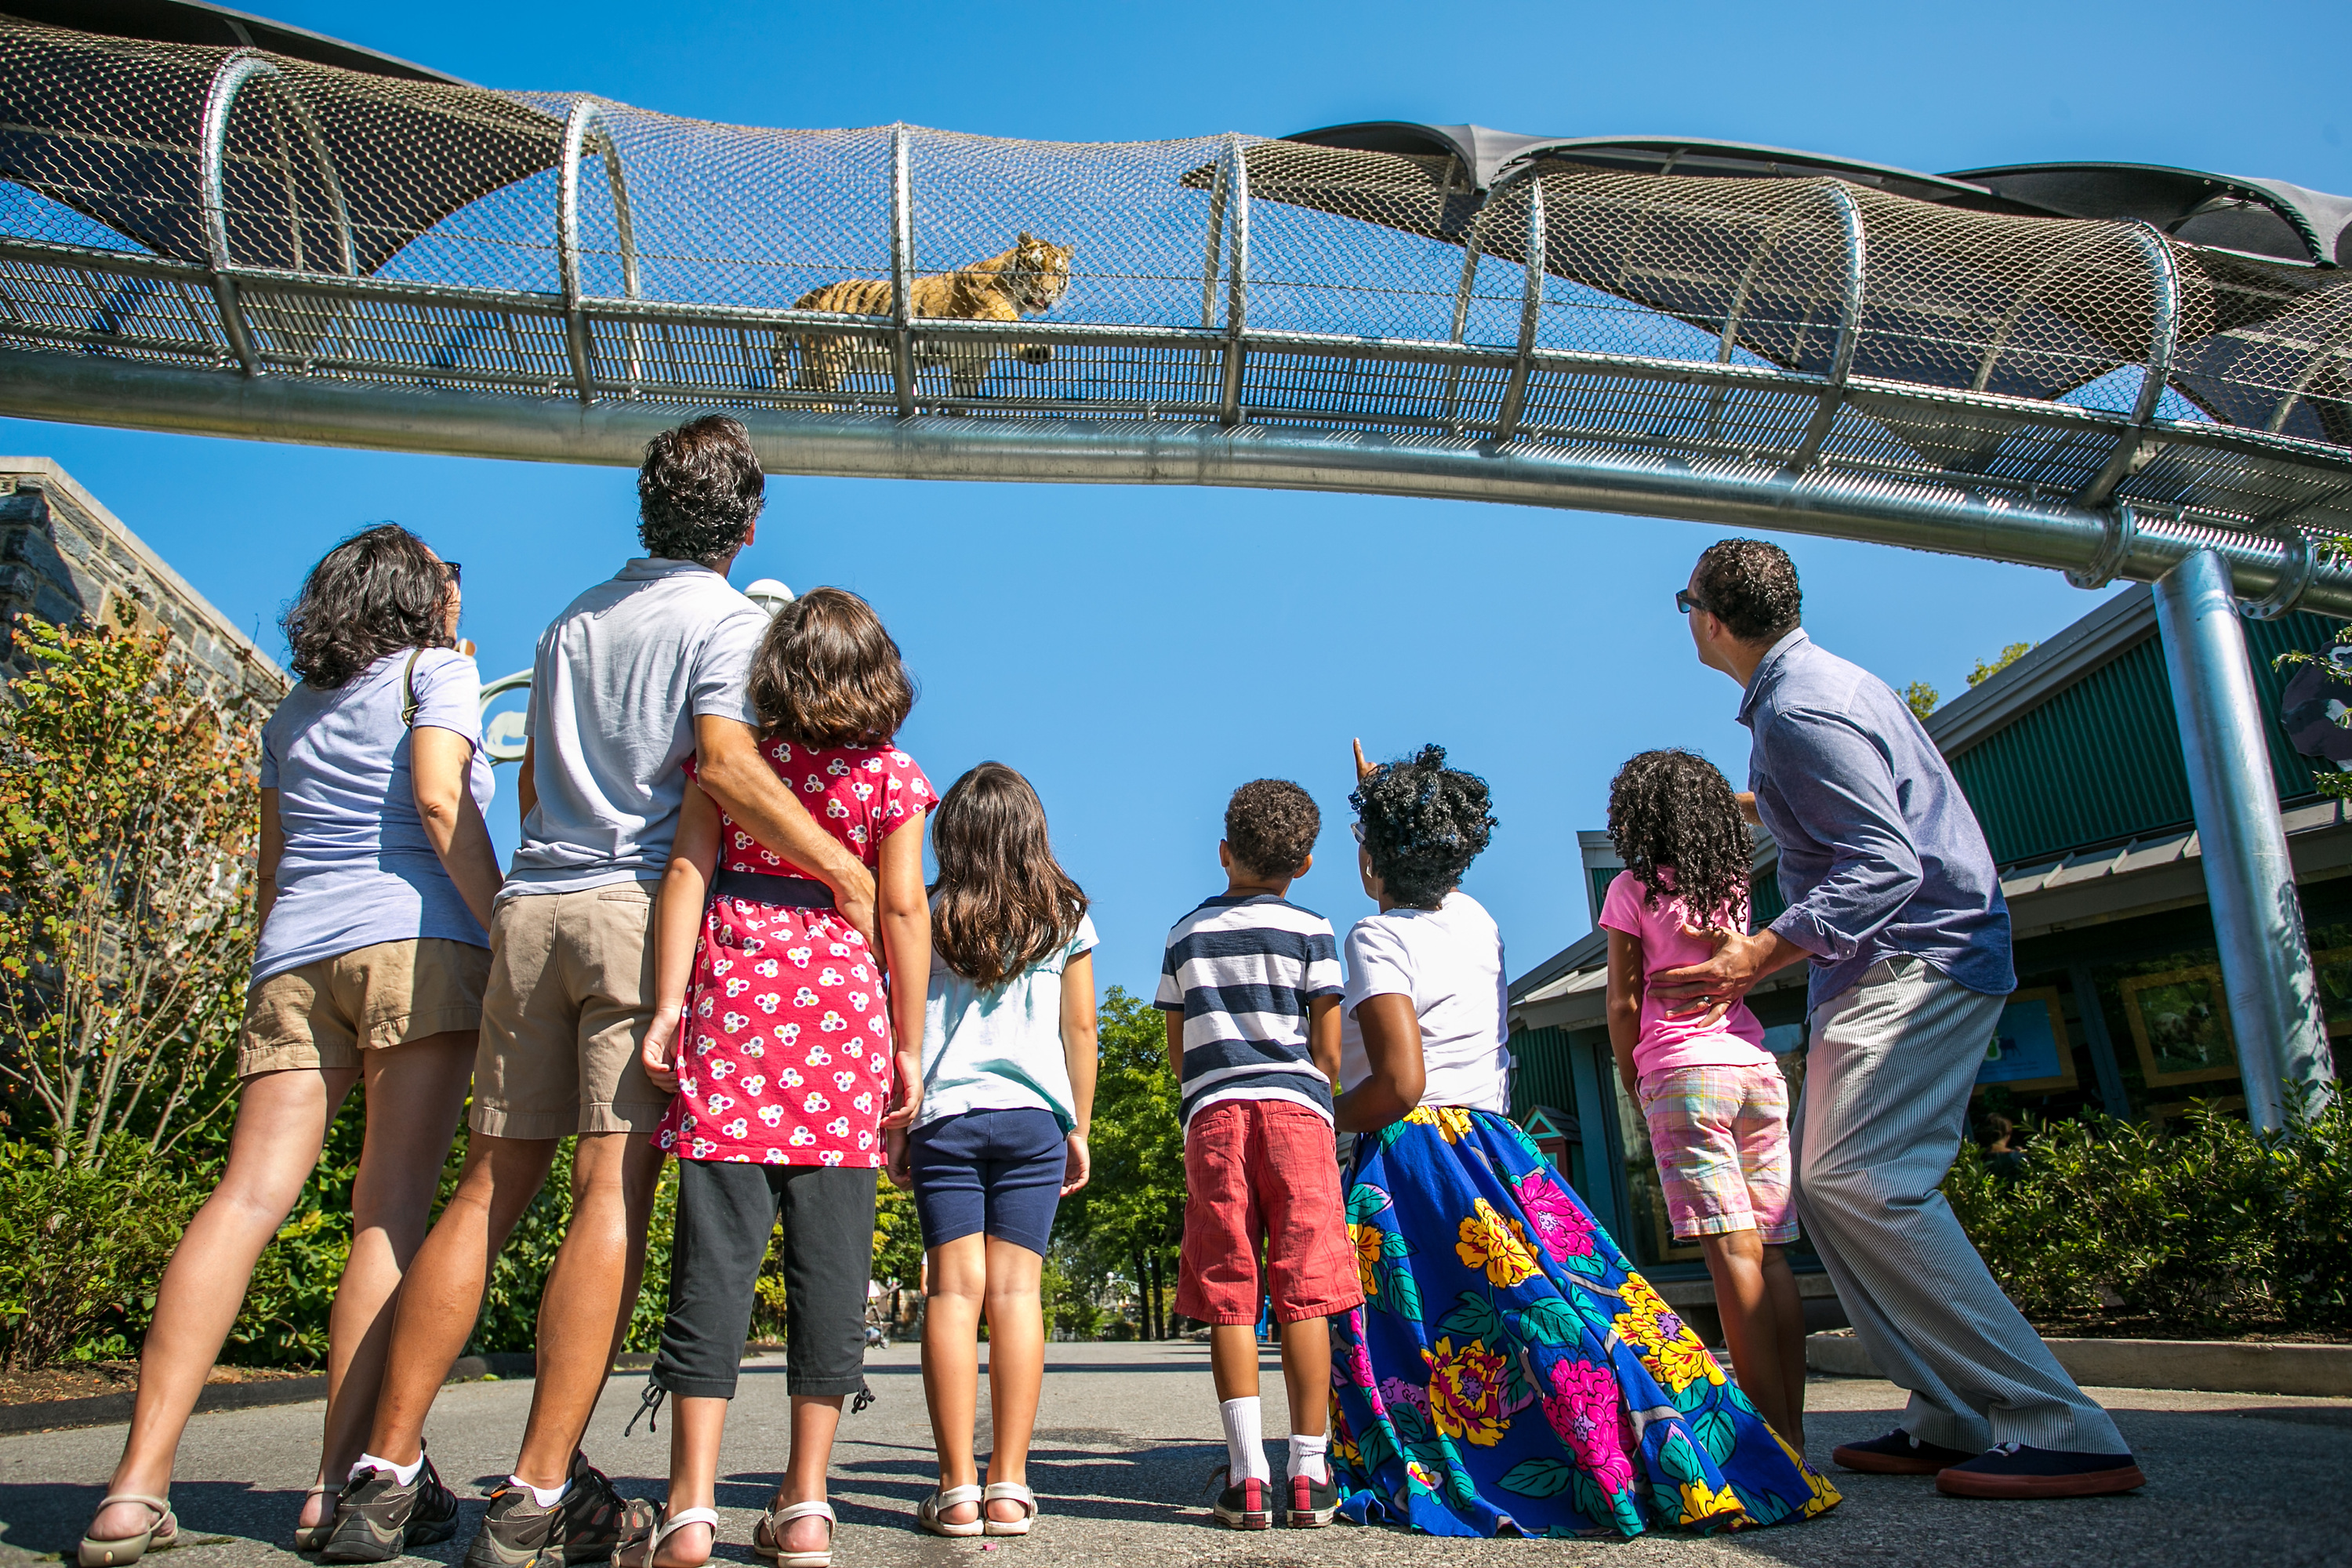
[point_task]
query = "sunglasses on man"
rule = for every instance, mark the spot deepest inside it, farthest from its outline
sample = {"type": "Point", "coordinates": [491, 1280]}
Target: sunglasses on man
{"type": "Point", "coordinates": [1686, 601]}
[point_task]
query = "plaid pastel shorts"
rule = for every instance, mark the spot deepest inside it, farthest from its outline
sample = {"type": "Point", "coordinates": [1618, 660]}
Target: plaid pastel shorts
{"type": "Point", "coordinates": [1720, 1135]}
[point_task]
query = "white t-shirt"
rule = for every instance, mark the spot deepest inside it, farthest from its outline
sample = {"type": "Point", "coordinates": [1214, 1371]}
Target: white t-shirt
{"type": "Point", "coordinates": [1449, 960]}
{"type": "Point", "coordinates": [999, 1049]}
{"type": "Point", "coordinates": [618, 681]}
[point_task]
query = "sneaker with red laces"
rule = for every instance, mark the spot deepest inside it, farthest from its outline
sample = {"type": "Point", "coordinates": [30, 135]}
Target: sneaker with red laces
{"type": "Point", "coordinates": [1247, 1504]}
{"type": "Point", "coordinates": [1313, 1503]}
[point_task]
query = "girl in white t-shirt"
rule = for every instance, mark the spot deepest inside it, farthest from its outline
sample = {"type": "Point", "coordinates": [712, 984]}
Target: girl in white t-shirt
{"type": "Point", "coordinates": [1008, 1092]}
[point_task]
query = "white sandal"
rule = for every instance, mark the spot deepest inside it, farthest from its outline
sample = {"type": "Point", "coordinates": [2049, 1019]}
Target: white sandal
{"type": "Point", "coordinates": [1008, 1491]}
{"type": "Point", "coordinates": [665, 1525]}
{"type": "Point", "coordinates": [928, 1512]}
{"type": "Point", "coordinates": [771, 1526]}
{"type": "Point", "coordinates": [118, 1552]}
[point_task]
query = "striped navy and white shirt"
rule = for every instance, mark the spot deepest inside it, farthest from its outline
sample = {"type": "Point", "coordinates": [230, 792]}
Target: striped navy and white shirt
{"type": "Point", "coordinates": [1242, 971]}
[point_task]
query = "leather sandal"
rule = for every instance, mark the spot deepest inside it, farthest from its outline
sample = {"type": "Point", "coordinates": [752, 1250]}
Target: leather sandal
{"type": "Point", "coordinates": [768, 1535]}
{"type": "Point", "coordinates": [124, 1549]}
{"type": "Point", "coordinates": [645, 1526]}
{"type": "Point", "coordinates": [313, 1537]}
{"type": "Point", "coordinates": [928, 1512]}
{"type": "Point", "coordinates": [1008, 1491]}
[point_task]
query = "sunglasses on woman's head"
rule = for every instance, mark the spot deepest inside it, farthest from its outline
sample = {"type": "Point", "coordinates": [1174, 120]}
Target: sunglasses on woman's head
{"type": "Point", "coordinates": [456, 569]}
{"type": "Point", "coordinates": [1357, 829]}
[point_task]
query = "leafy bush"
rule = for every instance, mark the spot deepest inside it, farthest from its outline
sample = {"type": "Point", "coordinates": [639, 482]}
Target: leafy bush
{"type": "Point", "coordinates": [2201, 1227]}
{"type": "Point", "coordinates": [81, 1247]}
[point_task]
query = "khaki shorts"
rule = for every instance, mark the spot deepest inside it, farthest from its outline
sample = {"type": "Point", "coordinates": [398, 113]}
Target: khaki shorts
{"type": "Point", "coordinates": [571, 993]}
{"type": "Point", "coordinates": [321, 1015]}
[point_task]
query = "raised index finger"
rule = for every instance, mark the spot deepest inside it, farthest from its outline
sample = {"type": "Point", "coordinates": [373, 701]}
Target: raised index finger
{"type": "Point", "coordinates": [1364, 770]}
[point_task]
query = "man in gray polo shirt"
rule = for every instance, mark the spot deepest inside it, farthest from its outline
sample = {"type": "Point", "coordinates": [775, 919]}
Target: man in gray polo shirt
{"type": "Point", "coordinates": [1894, 899]}
{"type": "Point", "coordinates": [637, 676]}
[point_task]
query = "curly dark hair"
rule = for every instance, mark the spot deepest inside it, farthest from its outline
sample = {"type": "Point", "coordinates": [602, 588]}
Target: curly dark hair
{"type": "Point", "coordinates": [1003, 903]}
{"type": "Point", "coordinates": [1423, 824]}
{"type": "Point", "coordinates": [1752, 587]}
{"type": "Point", "coordinates": [1270, 826]}
{"type": "Point", "coordinates": [699, 491]}
{"type": "Point", "coordinates": [828, 675]}
{"type": "Point", "coordinates": [1678, 829]}
{"type": "Point", "coordinates": [378, 592]}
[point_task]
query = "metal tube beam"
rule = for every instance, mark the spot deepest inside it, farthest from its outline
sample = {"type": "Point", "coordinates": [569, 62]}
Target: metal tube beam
{"type": "Point", "coordinates": [233, 73]}
{"type": "Point", "coordinates": [1229, 396]}
{"type": "Point", "coordinates": [902, 270]}
{"type": "Point", "coordinates": [1857, 262]}
{"type": "Point", "coordinates": [2163, 277]}
{"type": "Point", "coordinates": [577, 340]}
{"type": "Point", "coordinates": [1515, 391]}
{"type": "Point", "coordinates": [2273, 993]}
{"type": "Point", "coordinates": [92, 390]}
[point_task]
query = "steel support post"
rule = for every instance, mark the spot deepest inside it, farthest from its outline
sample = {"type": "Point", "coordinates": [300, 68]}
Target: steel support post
{"type": "Point", "coordinates": [902, 271]}
{"type": "Point", "coordinates": [1515, 391]}
{"type": "Point", "coordinates": [2266, 970]}
{"type": "Point", "coordinates": [1229, 392]}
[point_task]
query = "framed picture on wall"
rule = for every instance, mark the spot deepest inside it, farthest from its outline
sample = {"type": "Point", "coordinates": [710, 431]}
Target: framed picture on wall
{"type": "Point", "coordinates": [2335, 967]}
{"type": "Point", "coordinates": [2029, 1052]}
{"type": "Point", "coordinates": [2180, 1022]}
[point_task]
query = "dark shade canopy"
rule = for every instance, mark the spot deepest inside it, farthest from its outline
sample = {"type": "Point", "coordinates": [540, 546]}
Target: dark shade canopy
{"type": "Point", "coordinates": [113, 128]}
{"type": "Point", "coordinates": [192, 22]}
{"type": "Point", "coordinates": [2261, 217]}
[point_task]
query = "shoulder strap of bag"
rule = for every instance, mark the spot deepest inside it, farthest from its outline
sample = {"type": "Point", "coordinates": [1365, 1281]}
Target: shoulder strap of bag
{"type": "Point", "coordinates": [408, 703]}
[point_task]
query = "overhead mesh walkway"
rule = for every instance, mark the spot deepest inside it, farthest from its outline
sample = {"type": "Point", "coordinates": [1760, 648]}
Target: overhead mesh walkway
{"type": "Point", "coordinates": [213, 216]}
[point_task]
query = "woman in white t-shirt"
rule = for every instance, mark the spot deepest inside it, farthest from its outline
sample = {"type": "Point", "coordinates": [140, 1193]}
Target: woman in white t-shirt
{"type": "Point", "coordinates": [376, 876]}
{"type": "Point", "coordinates": [1489, 1381]}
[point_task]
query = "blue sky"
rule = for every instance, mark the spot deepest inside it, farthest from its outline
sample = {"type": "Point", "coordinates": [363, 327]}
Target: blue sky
{"type": "Point", "coordinates": [1138, 652]}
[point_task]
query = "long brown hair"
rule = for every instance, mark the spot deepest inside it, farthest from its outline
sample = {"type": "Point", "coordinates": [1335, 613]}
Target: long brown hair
{"type": "Point", "coordinates": [1003, 902]}
{"type": "Point", "coordinates": [828, 675]}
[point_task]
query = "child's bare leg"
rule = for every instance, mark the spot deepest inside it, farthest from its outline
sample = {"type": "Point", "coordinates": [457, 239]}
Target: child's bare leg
{"type": "Point", "coordinates": [696, 1426]}
{"type": "Point", "coordinates": [1233, 1360]}
{"type": "Point", "coordinates": [1016, 1363]}
{"type": "Point", "coordinates": [1736, 1261]}
{"type": "Point", "coordinates": [957, 1280]}
{"type": "Point", "coordinates": [815, 1418]}
{"type": "Point", "coordinates": [1306, 1374]}
{"type": "Point", "coordinates": [1789, 1339]}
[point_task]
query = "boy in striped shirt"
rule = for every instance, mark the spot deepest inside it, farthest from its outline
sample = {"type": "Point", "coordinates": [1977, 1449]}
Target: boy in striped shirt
{"type": "Point", "coordinates": [1251, 985]}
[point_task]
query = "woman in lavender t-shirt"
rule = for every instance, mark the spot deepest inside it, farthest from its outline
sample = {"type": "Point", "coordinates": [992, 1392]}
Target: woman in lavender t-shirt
{"type": "Point", "coordinates": [376, 877]}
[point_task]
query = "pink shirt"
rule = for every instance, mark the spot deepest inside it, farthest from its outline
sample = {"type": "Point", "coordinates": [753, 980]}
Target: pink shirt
{"type": "Point", "coordinates": [1736, 1040]}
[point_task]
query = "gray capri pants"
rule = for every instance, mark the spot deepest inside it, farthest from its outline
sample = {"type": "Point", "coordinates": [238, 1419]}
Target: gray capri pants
{"type": "Point", "coordinates": [726, 1212]}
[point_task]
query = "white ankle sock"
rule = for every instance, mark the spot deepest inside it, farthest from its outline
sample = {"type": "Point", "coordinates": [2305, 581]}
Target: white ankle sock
{"type": "Point", "coordinates": [1245, 1440]}
{"type": "Point", "coordinates": [404, 1473]}
{"type": "Point", "coordinates": [1306, 1456]}
{"type": "Point", "coordinates": [545, 1497]}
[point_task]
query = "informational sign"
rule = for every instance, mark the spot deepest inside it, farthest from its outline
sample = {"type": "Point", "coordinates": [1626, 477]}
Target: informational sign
{"type": "Point", "coordinates": [2029, 1049]}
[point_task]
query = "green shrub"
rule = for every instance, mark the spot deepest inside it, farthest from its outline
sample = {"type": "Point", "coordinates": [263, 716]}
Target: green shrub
{"type": "Point", "coordinates": [2201, 1227]}
{"type": "Point", "coordinates": [81, 1248]}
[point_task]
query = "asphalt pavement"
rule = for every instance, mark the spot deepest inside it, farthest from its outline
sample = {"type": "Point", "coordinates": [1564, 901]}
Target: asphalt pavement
{"type": "Point", "coordinates": [1128, 1434]}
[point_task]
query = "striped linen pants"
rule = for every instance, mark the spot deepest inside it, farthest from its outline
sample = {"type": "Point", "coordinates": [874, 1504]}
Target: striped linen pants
{"type": "Point", "coordinates": [1887, 1079]}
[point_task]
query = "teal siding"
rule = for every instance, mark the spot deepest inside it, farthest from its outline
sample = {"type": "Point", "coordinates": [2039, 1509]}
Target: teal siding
{"type": "Point", "coordinates": [1601, 877]}
{"type": "Point", "coordinates": [2101, 760]}
{"type": "Point", "coordinates": [1543, 1076]}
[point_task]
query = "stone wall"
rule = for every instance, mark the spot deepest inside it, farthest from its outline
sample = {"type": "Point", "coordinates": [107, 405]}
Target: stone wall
{"type": "Point", "coordinates": [64, 557]}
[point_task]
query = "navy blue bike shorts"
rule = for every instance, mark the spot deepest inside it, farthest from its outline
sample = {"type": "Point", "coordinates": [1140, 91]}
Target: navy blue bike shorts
{"type": "Point", "coordinates": [999, 1172]}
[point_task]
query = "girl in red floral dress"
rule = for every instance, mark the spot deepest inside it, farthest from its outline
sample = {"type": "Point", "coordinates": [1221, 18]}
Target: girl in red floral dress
{"type": "Point", "coordinates": [792, 1046]}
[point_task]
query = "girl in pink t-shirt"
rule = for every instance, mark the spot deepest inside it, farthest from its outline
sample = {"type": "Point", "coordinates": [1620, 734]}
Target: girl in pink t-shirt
{"type": "Point", "coordinates": [1715, 1104]}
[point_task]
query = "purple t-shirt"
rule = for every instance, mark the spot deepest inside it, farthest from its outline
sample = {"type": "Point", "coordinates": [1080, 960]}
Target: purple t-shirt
{"type": "Point", "coordinates": [1735, 1040]}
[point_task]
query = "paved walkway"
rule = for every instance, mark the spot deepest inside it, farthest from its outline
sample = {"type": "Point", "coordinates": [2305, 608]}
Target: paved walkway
{"type": "Point", "coordinates": [1129, 1432]}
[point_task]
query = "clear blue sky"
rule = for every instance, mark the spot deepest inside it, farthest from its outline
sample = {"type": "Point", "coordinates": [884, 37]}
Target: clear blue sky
{"type": "Point", "coordinates": [1138, 652]}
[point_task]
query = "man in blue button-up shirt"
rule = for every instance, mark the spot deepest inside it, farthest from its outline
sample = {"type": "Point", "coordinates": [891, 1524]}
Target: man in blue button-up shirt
{"type": "Point", "coordinates": [1893, 900]}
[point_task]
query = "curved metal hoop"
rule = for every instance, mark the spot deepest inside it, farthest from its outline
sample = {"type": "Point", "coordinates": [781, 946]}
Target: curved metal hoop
{"type": "Point", "coordinates": [2115, 549]}
{"type": "Point", "coordinates": [2293, 581]}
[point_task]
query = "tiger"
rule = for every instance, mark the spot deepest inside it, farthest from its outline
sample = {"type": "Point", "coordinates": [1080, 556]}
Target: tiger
{"type": "Point", "coordinates": [1028, 279]}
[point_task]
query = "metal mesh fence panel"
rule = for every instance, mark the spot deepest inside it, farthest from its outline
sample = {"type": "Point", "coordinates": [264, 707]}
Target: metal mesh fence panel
{"type": "Point", "coordinates": [234, 213]}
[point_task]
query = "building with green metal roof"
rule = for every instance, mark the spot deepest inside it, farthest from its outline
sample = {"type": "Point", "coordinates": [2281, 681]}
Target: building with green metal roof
{"type": "Point", "coordinates": [2072, 759]}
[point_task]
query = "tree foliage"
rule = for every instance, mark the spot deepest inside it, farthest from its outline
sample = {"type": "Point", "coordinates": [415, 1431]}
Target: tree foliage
{"type": "Point", "coordinates": [1987, 668]}
{"type": "Point", "coordinates": [128, 814]}
{"type": "Point", "coordinates": [1921, 698]}
{"type": "Point", "coordinates": [1130, 1217]}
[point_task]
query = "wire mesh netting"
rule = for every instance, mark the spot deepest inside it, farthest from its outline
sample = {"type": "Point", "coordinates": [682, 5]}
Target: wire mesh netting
{"type": "Point", "coordinates": [236, 212]}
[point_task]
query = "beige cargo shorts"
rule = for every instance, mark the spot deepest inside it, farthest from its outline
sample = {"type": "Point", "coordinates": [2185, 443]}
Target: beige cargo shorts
{"type": "Point", "coordinates": [321, 1015]}
{"type": "Point", "coordinates": [571, 993]}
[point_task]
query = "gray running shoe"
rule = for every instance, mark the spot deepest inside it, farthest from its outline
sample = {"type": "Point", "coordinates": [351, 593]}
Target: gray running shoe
{"type": "Point", "coordinates": [582, 1526]}
{"type": "Point", "coordinates": [377, 1519]}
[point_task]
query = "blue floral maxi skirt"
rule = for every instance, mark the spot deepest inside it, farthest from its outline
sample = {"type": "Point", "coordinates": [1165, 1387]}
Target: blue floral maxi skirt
{"type": "Point", "coordinates": [1508, 1370]}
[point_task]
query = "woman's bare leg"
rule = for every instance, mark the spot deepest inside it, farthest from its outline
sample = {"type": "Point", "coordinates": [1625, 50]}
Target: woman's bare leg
{"type": "Point", "coordinates": [955, 1283]}
{"type": "Point", "coordinates": [1016, 1364]}
{"type": "Point", "coordinates": [414, 1092]}
{"type": "Point", "coordinates": [281, 1125]}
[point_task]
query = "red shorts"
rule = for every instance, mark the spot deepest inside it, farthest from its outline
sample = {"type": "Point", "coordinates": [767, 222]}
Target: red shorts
{"type": "Point", "coordinates": [1262, 1172]}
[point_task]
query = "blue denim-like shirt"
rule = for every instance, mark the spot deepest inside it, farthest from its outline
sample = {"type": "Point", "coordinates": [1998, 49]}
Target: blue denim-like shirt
{"type": "Point", "coordinates": [1880, 854]}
